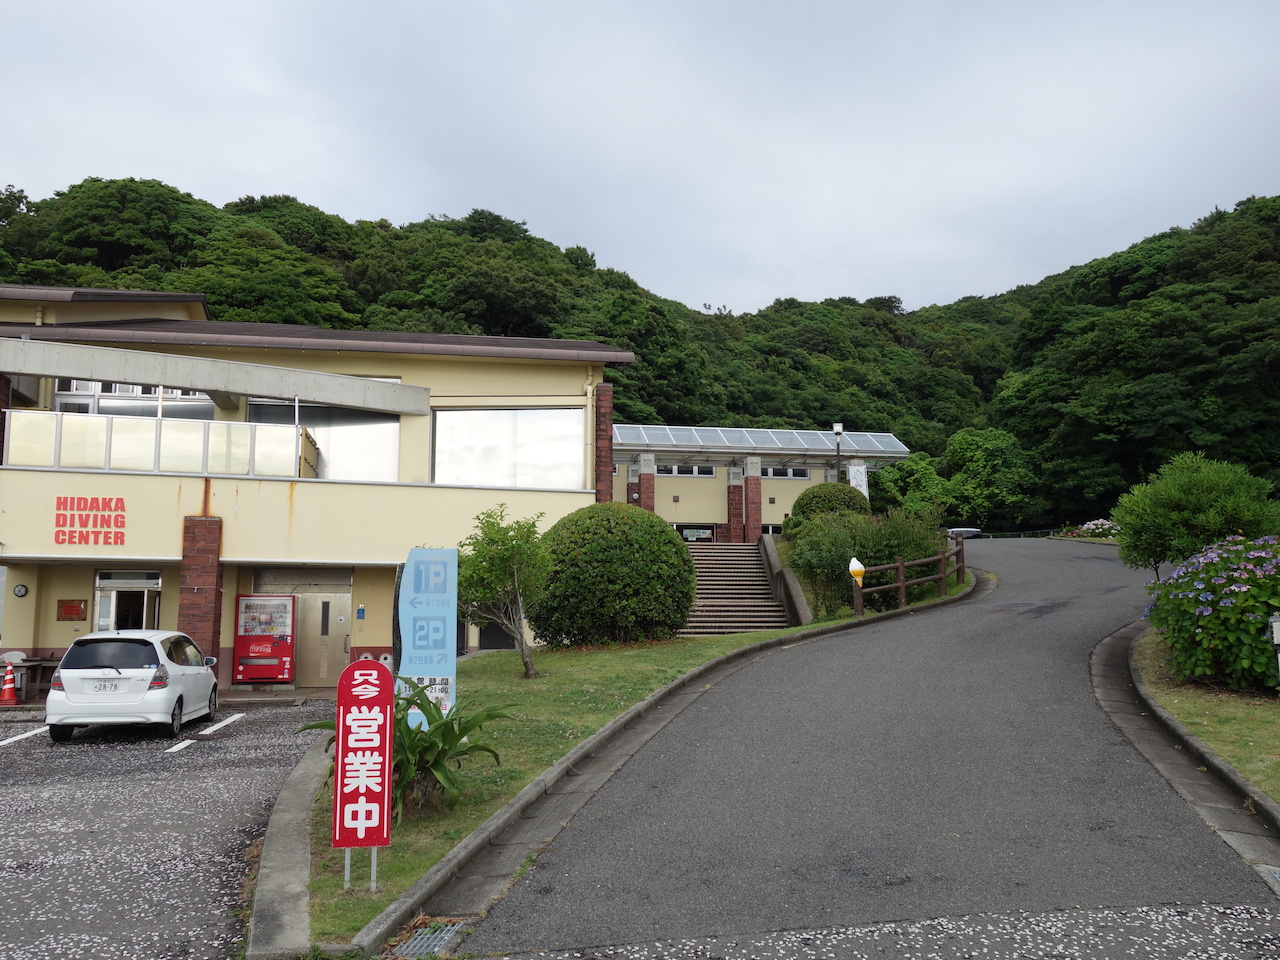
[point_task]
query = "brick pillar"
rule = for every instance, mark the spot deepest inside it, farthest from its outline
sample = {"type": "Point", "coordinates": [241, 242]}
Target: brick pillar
{"type": "Point", "coordinates": [751, 501]}
{"type": "Point", "coordinates": [733, 495]}
{"type": "Point", "coordinates": [604, 442]}
{"type": "Point", "coordinates": [200, 596]}
{"type": "Point", "coordinates": [648, 474]}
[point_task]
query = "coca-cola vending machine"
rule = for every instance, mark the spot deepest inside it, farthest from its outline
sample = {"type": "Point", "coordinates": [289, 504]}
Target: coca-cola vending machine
{"type": "Point", "coordinates": [264, 638]}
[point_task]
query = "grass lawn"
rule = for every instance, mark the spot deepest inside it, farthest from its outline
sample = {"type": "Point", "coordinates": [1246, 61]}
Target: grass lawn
{"type": "Point", "coordinates": [1242, 728]}
{"type": "Point", "coordinates": [576, 693]}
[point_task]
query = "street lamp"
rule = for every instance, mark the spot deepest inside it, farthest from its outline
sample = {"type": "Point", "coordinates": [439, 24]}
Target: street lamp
{"type": "Point", "coordinates": [837, 429]}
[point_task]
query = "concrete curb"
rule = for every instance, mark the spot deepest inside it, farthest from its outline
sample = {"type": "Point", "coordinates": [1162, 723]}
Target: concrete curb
{"type": "Point", "coordinates": [1265, 807]}
{"type": "Point", "coordinates": [401, 911]}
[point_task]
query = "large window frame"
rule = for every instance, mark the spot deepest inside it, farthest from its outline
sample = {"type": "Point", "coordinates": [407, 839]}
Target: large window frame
{"type": "Point", "coordinates": [540, 448]}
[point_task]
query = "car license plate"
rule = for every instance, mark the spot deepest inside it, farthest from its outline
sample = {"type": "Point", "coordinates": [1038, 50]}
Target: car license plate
{"type": "Point", "coordinates": [106, 686]}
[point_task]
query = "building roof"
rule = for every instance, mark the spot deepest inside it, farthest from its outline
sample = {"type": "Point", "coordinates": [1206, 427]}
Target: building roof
{"type": "Point", "coordinates": [152, 331]}
{"type": "Point", "coordinates": [731, 444]}
{"type": "Point", "coordinates": [290, 336]}
{"type": "Point", "coordinates": [22, 291]}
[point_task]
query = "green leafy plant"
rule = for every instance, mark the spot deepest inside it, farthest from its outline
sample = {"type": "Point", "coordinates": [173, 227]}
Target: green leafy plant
{"type": "Point", "coordinates": [1094, 529]}
{"type": "Point", "coordinates": [619, 574]}
{"type": "Point", "coordinates": [826, 542]}
{"type": "Point", "coordinates": [824, 498]}
{"type": "Point", "coordinates": [426, 756]}
{"type": "Point", "coordinates": [502, 568]}
{"type": "Point", "coordinates": [1213, 611]}
{"type": "Point", "coordinates": [1191, 503]}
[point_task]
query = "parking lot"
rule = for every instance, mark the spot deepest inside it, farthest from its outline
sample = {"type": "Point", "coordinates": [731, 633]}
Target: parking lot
{"type": "Point", "coordinates": [126, 844]}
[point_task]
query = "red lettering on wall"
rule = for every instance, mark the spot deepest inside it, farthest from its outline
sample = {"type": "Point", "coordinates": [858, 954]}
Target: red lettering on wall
{"type": "Point", "coordinates": [98, 520]}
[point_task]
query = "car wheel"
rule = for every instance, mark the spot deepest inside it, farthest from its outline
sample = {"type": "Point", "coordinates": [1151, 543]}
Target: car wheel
{"type": "Point", "coordinates": [174, 729]}
{"type": "Point", "coordinates": [213, 704]}
{"type": "Point", "coordinates": [60, 732]}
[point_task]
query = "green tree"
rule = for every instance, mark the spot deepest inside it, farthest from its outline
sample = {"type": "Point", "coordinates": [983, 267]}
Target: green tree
{"type": "Point", "coordinates": [1191, 503]}
{"type": "Point", "coordinates": [911, 485]}
{"type": "Point", "coordinates": [990, 479]}
{"type": "Point", "coordinates": [502, 570]}
{"type": "Point", "coordinates": [619, 574]}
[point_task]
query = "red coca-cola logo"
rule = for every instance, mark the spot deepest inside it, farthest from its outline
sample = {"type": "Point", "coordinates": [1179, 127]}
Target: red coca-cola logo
{"type": "Point", "coordinates": [260, 649]}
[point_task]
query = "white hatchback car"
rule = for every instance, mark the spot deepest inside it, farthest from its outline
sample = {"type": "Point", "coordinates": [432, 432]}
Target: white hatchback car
{"type": "Point", "coordinates": [131, 676]}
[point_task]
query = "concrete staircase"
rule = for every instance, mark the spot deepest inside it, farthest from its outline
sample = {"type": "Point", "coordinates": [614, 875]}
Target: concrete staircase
{"type": "Point", "coordinates": [733, 591]}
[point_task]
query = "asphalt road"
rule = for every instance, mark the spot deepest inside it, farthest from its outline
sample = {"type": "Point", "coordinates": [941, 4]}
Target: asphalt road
{"type": "Point", "coordinates": [115, 847]}
{"type": "Point", "coordinates": [941, 785]}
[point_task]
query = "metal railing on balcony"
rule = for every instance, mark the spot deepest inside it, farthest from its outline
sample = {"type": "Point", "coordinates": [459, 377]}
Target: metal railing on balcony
{"type": "Point", "coordinates": [81, 441]}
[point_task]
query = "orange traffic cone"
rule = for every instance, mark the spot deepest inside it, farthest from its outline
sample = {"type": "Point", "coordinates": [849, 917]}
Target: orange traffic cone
{"type": "Point", "coordinates": [9, 692]}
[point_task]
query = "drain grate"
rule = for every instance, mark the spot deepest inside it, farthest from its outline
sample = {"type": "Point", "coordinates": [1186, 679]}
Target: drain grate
{"type": "Point", "coordinates": [425, 943]}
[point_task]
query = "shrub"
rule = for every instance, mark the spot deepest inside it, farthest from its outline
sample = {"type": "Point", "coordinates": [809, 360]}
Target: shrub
{"type": "Point", "coordinates": [619, 574]}
{"type": "Point", "coordinates": [424, 757]}
{"type": "Point", "coordinates": [824, 498]}
{"type": "Point", "coordinates": [1094, 528]}
{"type": "Point", "coordinates": [825, 544]}
{"type": "Point", "coordinates": [1214, 612]}
{"type": "Point", "coordinates": [1191, 503]}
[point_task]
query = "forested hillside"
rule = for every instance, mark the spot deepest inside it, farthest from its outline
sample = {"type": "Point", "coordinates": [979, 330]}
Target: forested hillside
{"type": "Point", "coordinates": [1042, 403]}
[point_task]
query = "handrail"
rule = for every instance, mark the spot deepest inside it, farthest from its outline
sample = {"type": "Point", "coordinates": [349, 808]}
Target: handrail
{"type": "Point", "coordinates": [940, 560]}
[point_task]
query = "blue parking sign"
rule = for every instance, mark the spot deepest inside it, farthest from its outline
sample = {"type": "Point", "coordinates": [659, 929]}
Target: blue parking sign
{"type": "Point", "coordinates": [428, 620]}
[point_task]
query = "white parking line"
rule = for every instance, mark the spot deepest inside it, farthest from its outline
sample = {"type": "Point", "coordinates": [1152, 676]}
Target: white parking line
{"type": "Point", "coordinates": [222, 723]}
{"type": "Point", "coordinates": [217, 726]}
{"type": "Point", "coordinates": [23, 736]}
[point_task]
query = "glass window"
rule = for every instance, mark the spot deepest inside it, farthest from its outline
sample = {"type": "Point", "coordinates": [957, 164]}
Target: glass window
{"type": "Point", "coordinates": [530, 447]}
{"type": "Point", "coordinates": [121, 654]}
{"type": "Point", "coordinates": [353, 444]}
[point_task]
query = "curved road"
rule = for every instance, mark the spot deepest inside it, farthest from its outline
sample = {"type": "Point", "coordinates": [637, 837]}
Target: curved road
{"type": "Point", "coordinates": [940, 785]}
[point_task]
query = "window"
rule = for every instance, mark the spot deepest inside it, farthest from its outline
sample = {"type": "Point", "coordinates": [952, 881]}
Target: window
{"type": "Point", "coordinates": [684, 470]}
{"type": "Point", "coordinates": [529, 447]}
{"type": "Point", "coordinates": [353, 444]}
{"type": "Point", "coordinates": [795, 473]}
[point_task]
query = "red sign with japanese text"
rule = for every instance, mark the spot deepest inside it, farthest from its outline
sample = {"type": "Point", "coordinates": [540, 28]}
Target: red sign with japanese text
{"type": "Point", "coordinates": [362, 756]}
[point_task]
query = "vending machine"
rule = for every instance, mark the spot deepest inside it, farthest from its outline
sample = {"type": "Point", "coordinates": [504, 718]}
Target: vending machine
{"type": "Point", "coordinates": [264, 638]}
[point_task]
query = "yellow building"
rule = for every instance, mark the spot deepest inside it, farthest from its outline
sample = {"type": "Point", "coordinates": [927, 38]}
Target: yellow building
{"type": "Point", "coordinates": [732, 484]}
{"type": "Point", "coordinates": [158, 465]}
{"type": "Point", "coordinates": [164, 470]}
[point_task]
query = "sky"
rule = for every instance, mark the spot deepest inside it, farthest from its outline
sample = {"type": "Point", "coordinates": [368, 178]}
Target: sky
{"type": "Point", "coordinates": [721, 153]}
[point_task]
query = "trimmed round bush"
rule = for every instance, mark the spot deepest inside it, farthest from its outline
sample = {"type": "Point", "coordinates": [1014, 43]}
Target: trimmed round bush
{"type": "Point", "coordinates": [824, 498]}
{"type": "Point", "coordinates": [1214, 612]}
{"type": "Point", "coordinates": [829, 498]}
{"type": "Point", "coordinates": [619, 574]}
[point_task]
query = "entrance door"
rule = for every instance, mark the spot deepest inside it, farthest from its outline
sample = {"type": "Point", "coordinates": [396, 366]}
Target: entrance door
{"type": "Point", "coordinates": [322, 624]}
{"type": "Point", "coordinates": [127, 600]}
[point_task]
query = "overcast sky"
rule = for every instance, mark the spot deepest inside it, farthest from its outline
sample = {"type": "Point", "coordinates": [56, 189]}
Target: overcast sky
{"type": "Point", "coordinates": [727, 153]}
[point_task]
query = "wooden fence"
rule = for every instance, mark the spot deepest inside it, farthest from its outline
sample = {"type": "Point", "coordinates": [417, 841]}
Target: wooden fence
{"type": "Point", "coordinates": [945, 563]}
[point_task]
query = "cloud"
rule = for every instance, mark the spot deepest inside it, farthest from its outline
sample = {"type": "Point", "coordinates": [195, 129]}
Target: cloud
{"type": "Point", "coordinates": [727, 153]}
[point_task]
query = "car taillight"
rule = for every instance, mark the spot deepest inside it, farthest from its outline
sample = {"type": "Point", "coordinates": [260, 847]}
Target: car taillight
{"type": "Point", "coordinates": [159, 679]}
{"type": "Point", "coordinates": [55, 682]}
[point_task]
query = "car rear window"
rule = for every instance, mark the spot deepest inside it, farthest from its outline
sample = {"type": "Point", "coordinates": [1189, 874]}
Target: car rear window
{"type": "Point", "coordinates": [121, 654]}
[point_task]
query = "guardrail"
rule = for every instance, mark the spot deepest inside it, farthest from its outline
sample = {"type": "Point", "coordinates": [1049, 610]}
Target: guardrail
{"type": "Point", "coordinates": [946, 562]}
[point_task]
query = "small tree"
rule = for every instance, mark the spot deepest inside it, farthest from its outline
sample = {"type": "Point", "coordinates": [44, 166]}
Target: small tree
{"type": "Point", "coordinates": [1191, 503]}
{"type": "Point", "coordinates": [619, 574]}
{"type": "Point", "coordinates": [502, 569]}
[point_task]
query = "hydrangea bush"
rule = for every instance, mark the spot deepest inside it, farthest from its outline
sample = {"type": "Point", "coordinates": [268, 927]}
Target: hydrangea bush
{"type": "Point", "coordinates": [1094, 528]}
{"type": "Point", "coordinates": [1215, 609]}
